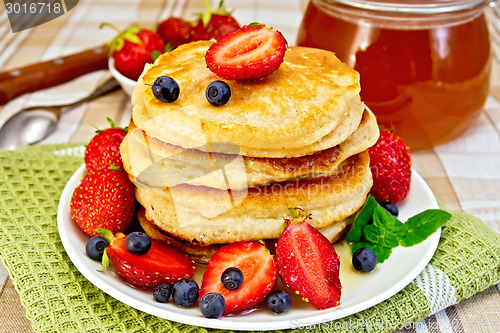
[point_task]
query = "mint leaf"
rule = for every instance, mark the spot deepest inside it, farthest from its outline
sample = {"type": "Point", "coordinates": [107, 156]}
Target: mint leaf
{"type": "Point", "coordinates": [422, 225]}
{"type": "Point", "coordinates": [384, 219]}
{"type": "Point", "coordinates": [382, 252]}
{"type": "Point", "coordinates": [363, 218]}
{"type": "Point", "coordinates": [378, 235]}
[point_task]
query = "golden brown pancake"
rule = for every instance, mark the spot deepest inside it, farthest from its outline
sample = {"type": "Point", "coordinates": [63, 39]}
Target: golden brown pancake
{"type": "Point", "coordinates": [209, 175]}
{"type": "Point", "coordinates": [159, 164]}
{"type": "Point", "coordinates": [309, 104]}
{"type": "Point", "coordinates": [206, 216]}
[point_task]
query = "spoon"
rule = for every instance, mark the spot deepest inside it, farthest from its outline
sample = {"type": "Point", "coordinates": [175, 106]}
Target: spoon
{"type": "Point", "coordinates": [33, 124]}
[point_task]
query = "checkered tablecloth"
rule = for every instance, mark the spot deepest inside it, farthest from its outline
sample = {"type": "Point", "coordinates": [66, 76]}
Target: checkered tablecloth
{"type": "Point", "coordinates": [464, 174]}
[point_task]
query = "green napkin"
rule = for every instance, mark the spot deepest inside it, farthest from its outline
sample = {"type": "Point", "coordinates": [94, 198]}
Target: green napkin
{"type": "Point", "coordinates": [59, 299]}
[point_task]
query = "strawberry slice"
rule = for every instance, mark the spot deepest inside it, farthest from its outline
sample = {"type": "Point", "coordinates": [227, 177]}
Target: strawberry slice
{"type": "Point", "coordinates": [249, 53]}
{"type": "Point", "coordinates": [162, 263]}
{"type": "Point", "coordinates": [259, 274]}
{"type": "Point", "coordinates": [309, 265]}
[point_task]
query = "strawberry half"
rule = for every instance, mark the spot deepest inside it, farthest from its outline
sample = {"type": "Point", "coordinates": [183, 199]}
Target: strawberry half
{"type": "Point", "coordinates": [390, 164]}
{"type": "Point", "coordinates": [104, 199]}
{"type": "Point", "coordinates": [259, 274]}
{"type": "Point", "coordinates": [309, 265]}
{"type": "Point", "coordinates": [103, 150]}
{"type": "Point", "coordinates": [249, 53]}
{"type": "Point", "coordinates": [162, 263]}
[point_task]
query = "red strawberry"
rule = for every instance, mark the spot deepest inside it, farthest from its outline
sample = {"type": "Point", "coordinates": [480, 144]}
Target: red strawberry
{"type": "Point", "coordinates": [162, 263]}
{"type": "Point", "coordinates": [249, 53]}
{"type": "Point", "coordinates": [390, 163]}
{"type": "Point", "coordinates": [104, 199]}
{"type": "Point", "coordinates": [103, 149]}
{"type": "Point", "coordinates": [309, 265]}
{"type": "Point", "coordinates": [259, 274]}
{"type": "Point", "coordinates": [133, 48]}
{"type": "Point", "coordinates": [214, 23]}
{"type": "Point", "coordinates": [175, 31]}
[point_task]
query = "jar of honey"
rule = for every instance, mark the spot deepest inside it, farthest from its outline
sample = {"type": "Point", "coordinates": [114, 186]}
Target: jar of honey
{"type": "Point", "coordinates": [424, 65]}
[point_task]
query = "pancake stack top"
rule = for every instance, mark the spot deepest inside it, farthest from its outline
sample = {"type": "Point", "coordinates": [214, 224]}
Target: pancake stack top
{"type": "Point", "coordinates": [208, 175]}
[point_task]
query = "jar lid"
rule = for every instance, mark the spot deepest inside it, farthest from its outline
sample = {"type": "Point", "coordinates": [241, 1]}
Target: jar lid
{"type": "Point", "coordinates": [415, 6]}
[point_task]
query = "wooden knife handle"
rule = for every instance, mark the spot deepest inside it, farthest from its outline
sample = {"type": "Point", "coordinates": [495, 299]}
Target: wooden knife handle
{"type": "Point", "coordinates": [50, 73]}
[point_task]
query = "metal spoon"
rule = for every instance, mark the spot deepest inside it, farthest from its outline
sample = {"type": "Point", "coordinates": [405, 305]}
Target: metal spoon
{"type": "Point", "coordinates": [33, 124]}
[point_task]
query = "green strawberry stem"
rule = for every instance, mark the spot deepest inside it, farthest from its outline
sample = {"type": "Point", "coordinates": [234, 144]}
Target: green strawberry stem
{"type": "Point", "coordinates": [129, 34]}
{"type": "Point", "coordinates": [112, 124]}
{"type": "Point", "coordinates": [298, 216]}
{"type": "Point", "coordinates": [207, 16]}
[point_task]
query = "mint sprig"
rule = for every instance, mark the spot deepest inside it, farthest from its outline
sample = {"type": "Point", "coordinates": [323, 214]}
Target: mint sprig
{"type": "Point", "coordinates": [376, 228]}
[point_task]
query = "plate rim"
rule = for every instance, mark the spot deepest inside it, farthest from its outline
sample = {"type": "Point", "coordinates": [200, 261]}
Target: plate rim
{"type": "Point", "coordinates": [323, 316]}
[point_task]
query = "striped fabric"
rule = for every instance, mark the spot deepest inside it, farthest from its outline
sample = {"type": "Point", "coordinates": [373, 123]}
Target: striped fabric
{"type": "Point", "coordinates": [463, 174]}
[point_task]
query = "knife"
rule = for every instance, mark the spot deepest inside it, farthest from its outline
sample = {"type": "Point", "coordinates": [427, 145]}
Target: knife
{"type": "Point", "coordinates": [47, 74]}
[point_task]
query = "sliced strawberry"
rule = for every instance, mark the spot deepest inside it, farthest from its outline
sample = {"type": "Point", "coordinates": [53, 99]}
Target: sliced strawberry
{"type": "Point", "coordinates": [309, 265]}
{"type": "Point", "coordinates": [162, 263]}
{"type": "Point", "coordinates": [249, 53]}
{"type": "Point", "coordinates": [259, 274]}
{"type": "Point", "coordinates": [103, 150]}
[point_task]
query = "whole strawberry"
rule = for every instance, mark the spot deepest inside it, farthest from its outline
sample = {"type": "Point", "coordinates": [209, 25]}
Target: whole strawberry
{"type": "Point", "coordinates": [104, 199]}
{"type": "Point", "coordinates": [103, 150]}
{"type": "Point", "coordinates": [133, 47]}
{"type": "Point", "coordinates": [175, 31]}
{"type": "Point", "coordinates": [390, 163]}
{"type": "Point", "coordinates": [214, 23]}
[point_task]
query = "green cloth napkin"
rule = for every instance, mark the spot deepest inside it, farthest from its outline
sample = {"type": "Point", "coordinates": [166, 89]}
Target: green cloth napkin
{"type": "Point", "coordinates": [59, 299]}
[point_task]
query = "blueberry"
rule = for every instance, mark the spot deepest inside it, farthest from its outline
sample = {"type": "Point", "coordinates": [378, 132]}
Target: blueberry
{"type": "Point", "coordinates": [364, 259]}
{"type": "Point", "coordinates": [185, 292]}
{"type": "Point", "coordinates": [218, 93]}
{"type": "Point", "coordinates": [165, 89]}
{"type": "Point", "coordinates": [279, 301]}
{"type": "Point", "coordinates": [232, 278]}
{"type": "Point", "coordinates": [161, 292]}
{"type": "Point", "coordinates": [391, 208]}
{"type": "Point", "coordinates": [138, 243]}
{"type": "Point", "coordinates": [95, 247]}
{"type": "Point", "coordinates": [212, 305]}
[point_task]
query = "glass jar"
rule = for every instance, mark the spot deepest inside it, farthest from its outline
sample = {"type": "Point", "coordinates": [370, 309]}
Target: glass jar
{"type": "Point", "coordinates": [424, 65]}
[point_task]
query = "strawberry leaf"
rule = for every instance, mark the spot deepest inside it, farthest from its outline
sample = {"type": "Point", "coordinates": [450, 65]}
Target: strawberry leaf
{"type": "Point", "coordinates": [255, 24]}
{"type": "Point", "coordinates": [155, 54]}
{"type": "Point", "coordinates": [105, 261]}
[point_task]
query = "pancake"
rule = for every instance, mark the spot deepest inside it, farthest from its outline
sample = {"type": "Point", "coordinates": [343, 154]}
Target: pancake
{"type": "Point", "coordinates": [157, 164]}
{"type": "Point", "coordinates": [202, 254]}
{"type": "Point", "coordinates": [207, 216]}
{"type": "Point", "coordinates": [310, 104]}
{"type": "Point", "coordinates": [210, 175]}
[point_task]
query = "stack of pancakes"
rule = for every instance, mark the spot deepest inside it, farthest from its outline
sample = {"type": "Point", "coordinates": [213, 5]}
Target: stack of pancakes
{"type": "Point", "coordinates": [208, 175]}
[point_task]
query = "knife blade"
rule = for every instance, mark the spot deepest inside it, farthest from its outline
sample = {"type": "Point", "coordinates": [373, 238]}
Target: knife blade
{"type": "Point", "coordinates": [16, 82]}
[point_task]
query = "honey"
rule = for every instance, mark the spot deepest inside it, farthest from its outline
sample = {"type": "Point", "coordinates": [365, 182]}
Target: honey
{"type": "Point", "coordinates": [424, 72]}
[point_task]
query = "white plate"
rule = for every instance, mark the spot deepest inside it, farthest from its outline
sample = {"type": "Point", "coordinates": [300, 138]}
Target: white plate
{"type": "Point", "coordinates": [360, 290]}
